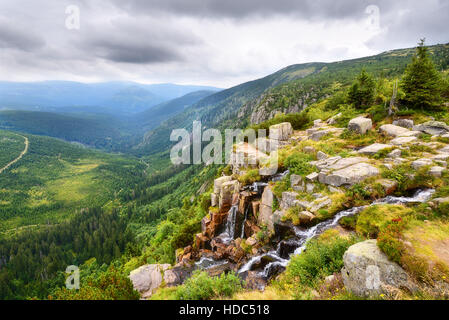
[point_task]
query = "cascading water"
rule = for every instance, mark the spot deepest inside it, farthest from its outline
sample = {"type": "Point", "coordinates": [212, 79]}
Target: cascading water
{"type": "Point", "coordinates": [228, 235]}
{"type": "Point", "coordinates": [242, 233]}
{"type": "Point", "coordinates": [302, 236]}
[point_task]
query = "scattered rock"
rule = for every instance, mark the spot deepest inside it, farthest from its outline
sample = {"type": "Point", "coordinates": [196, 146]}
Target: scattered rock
{"type": "Point", "coordinates": [421, 163]}
{"type": "Point", "coordinates": [360, 125]}
{"type": "Point", "coordinates": [288, 200]}
{"type": "Point", "coordinates": [309, 149]}
{"type": "Point", "coordinates": [367, 269]}
{"type": "Point", "coordinates": [321, 155]}
{"type": "Point", "coordinates": [312, 177]}
{"type": "Point", "coordinates": [374, 148]}
{"type": "Point", "coordinates": [399, 141]}
{"type": "Point", "coordinates": [349, 175]}
{"type": "Point", "coordinates": [396, 153]}
{"type": "Point", "coordinates": [437, 171]}
{"type": "Point", "coordinates": [405, 123]}
{"type": "Point", "coordinates": [394, 131]}
{"type": "Point", "coordinates": [305, 217]}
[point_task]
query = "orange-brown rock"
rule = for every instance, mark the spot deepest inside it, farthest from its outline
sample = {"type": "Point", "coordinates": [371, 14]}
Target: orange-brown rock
{"type": "Point", "coordinates": [201, 242]}
{"type": "Point", "coordinates": [255, 207]}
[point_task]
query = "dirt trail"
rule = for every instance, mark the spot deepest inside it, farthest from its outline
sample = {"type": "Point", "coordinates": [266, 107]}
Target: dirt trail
{"type": "Point", "coordinates": [24, 152]}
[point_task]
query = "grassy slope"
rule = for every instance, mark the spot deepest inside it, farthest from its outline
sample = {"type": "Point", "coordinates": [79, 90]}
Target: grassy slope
{"type": "Point", "coordinates": [56, 178]}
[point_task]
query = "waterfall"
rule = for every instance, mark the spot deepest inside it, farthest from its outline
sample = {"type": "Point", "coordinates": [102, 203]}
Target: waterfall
{"type": "Point", "coordinates": [303, 236]}
{"type": "Point", "coordinates": [242, 234]}
{"type": "Point", "coordinates": [229, 233]}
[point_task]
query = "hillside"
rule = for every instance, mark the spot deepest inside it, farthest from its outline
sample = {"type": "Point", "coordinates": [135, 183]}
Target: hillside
{"type": "Point", "coordinates": [156, 115]}
{"type": "Point", "coordinates": [361, 169]}
{"type": "Point", "coordinates": [258, 100]}
{"type": "Point", "coordinates": [55, 179]}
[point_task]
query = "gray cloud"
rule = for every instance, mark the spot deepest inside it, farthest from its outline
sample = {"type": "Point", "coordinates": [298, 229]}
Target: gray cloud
{"type": "Point", "coordinates": [308, 9]}
{"type": "Point", "coordinates": [219, 42]}
{"type": "Point", "coordinates": [13, 37]}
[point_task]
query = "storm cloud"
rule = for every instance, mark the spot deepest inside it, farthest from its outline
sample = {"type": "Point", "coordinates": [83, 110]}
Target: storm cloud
{"type": "Point", "coordinates": [210, 42]}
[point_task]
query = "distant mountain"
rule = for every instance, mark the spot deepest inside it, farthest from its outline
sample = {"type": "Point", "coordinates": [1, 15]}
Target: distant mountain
{"type": "Point", "coordinates": [99, 131]}
{"type": "Point", "coordinates": [154, 116]}
{"type": "Point", "coordinates": [289, 90]}
{"type": "Point", "coordinates": [110, 97]}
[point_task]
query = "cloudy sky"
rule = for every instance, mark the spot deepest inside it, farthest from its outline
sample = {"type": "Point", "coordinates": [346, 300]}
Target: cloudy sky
{"type": "Point", "coordinates": [209, 42]}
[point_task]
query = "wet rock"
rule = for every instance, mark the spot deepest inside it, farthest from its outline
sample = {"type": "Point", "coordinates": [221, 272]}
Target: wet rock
{"type": "Point", "coordinates": [218, 269]}
{"type": "Point", "coordinates": [360, 125]}
{"type": "Point", "coordinates": [148, 278]}
{"type": "Point", "coordinates": [367, 270]}
{"type": "Point", "coordinates": [374, 148]}
{"type": "Point", "coordinates": [281, 131]}
{"type": "Point", "coordinates": [202, 242]}
{"type": "Point", "coordinates": [405, 123]}
{"type": "Point", "coordinates": [394, 131]}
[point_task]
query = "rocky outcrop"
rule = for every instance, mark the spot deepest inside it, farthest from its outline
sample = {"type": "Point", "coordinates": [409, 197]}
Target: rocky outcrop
{"type": "Point", "coordinates": [266, 209]}
{"type": "Point", "coordinates": [246, 156]}
{"type": "Point", "coordinates": [360, 125]}
{"type": "Point", "coordinates": [434, 128]}
{"type": "Point", "coordinates": [349, 175]}
{"type": "Point", "coordinates": [367, 270]}
{"type": "Point", "coordinates": [217, 189]}
{"type": "Point", "coordinates": [281, 131]}
{"type": "Point", "coordinates": [228, 189]}
{"type": "Point", "coordinates": [148, 278]}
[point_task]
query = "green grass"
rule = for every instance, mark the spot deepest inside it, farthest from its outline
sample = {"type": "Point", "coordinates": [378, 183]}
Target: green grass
{"type": "Point", "coordinates": [11, 145]}
{"type": "Point", "coordinates": [55, 179]}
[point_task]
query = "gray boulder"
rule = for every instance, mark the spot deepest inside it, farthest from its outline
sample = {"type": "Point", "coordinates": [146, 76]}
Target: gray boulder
{"type": "Point", "coordinates": [360, 125]}
{"type": "Point", "coordinates": [367, 270]}
{"type": "Point", "coordinates": [374, 148]}
{"type": "Point", "coordinates": [394, 131]}
{"type": "Point", "coordinates": [405, 123]}
{"type": "Point", "coordinates": [148, 278]}
{"type": "Point", "coordinates": [349, 175]}
{"type": "Point", "coordinates": [434, 128]}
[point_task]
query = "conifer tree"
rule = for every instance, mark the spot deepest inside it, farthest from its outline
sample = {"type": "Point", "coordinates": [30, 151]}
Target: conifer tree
{"type": "Point", "coordinates": [422, 83]}
{"type": "Point", "coordinates": [362, 92]}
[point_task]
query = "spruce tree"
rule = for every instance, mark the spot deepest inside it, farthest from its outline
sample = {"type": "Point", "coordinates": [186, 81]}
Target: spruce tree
{"type": "Point", "coordinates": [362, 92]}
{"type": "Point", "coordinates": [422, 83]}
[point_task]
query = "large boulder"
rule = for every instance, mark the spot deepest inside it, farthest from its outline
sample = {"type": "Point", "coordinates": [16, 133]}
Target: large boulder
{"type": "Point", "coordinates": [394, 131]}
{"type": "Point", "coordinates": [349, 175]}
{"type": "Point", "coordinates": [360, 125]}
{"type": "Point", "coordinates": [434, 128]}
{"type": "Point", "coordinates": [367, 270]}
{"type": "Point", "coordinates": [281, 131]}
{"type": "Point", "coordinates": [148, 278]}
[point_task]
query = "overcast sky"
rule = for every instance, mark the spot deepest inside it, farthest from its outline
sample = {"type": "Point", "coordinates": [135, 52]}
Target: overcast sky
{"type": "Point", "coordinates": [209, 42]}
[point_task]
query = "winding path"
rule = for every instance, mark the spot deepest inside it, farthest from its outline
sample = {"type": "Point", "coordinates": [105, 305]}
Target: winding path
{"type": "Point", "coordinates": [24, 152]}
